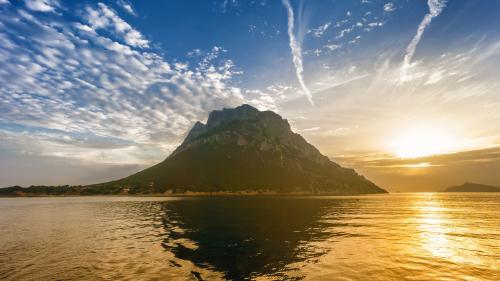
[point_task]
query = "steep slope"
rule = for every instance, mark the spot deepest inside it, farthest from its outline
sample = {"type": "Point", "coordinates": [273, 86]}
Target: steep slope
{"type": "Point", "coordinates": [244, 149]}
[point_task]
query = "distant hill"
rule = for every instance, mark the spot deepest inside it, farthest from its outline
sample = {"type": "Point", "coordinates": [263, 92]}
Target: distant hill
{"type": "Point", "coordinates": [472, 187]}
{"type": "Point", "coordinates": [39, 190]}
{"type": "Point", "coordinates": [238, 150]}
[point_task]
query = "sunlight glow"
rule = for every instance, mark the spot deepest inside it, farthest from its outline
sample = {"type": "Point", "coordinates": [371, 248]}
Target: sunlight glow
{"type": "Point", "coordinates": [418, 165]}
{"type": "Point", "coordinates": [422, 141]}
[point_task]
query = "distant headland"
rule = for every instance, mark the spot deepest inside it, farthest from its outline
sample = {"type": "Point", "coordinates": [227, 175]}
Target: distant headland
{"type": "Point", "coordinates": [472, 187]}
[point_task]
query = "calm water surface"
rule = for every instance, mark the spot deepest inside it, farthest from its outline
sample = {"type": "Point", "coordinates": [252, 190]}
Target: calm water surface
{"type": "Point", "coordinates": [382, 237]}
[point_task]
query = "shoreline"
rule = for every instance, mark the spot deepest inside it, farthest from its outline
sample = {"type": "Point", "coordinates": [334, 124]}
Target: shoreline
{"type": "Point", "coordinates": [220, 194]}
{"type": "Point", "coordinates": [195, 194]}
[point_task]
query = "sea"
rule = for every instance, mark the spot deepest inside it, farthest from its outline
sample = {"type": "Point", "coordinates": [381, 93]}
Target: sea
{"type": "Point", "coordinates": [399, 236]}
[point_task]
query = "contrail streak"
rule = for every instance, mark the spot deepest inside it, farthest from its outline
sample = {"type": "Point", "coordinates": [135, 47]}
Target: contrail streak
{"type": "Point", "coordinates": [296, 52]}
{"type": "Point", "coordinates": [435, 8]}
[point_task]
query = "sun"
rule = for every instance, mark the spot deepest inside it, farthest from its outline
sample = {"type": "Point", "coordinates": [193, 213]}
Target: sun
{"type": "Point", "coordinates": [422, 141]}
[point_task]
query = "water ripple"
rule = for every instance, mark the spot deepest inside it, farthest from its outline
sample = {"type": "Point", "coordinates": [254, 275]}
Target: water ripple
{"type": "Point", "coordinates": [388, 237]}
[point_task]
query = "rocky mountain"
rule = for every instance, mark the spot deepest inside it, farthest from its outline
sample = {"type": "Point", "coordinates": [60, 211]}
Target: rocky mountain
{"type": "Point", "coordinates": [241, 150]}
{"type": "Point", "coordinates": [472, 187]}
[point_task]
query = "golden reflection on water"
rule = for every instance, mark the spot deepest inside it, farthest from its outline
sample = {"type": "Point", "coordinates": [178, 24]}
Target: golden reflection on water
{"type": "Point", "coordinates": [431, 236]}
{"type": "Point", "coordinates": [437, 229]}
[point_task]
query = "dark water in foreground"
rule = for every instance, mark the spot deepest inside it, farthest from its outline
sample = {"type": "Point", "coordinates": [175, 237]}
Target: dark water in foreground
{"type": "Point", "coordinates": [382, 237]}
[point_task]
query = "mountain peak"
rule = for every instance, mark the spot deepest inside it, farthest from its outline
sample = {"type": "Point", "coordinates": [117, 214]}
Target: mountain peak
{"type": "Point", "coordinates": [244, 149]}
{"type": "Point", "coordinates": [226, 115]}
{"type": "Point", "coordinates": [269, 121]}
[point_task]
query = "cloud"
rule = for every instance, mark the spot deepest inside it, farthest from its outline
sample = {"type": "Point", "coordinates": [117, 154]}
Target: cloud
{"type": "Point", "coordinates": [42, 5]}
{"type": "Point", "coordinates": [310, 129]}
{"type": "Point", "coordinates": [332, 47]}
{"type": "Point", "coordinates": [491, 154]}
{"type": "Point", "coordinates": [476, 162]}
{"type": "Point", "coordinates": [435, 77]}
{"type": "Point", "coordinates": [355, 40]}
{"type": "Point", "coordinates": [126, 6]}
{"type": "Point", "coordinates": [319, 31]}
{"type": "Point", "coordinates": [344, 28]}
{"type": "Point", "coordinates": [432, 173]}
{"type": "Point", "coordinates": [374, 24]}
{"type": "Point", "coordinates": [80, 93]}
{"type": "Point", "coordinates": [226, 4]}
{"type": "Point", "coordinates": [449, 69]}
{"type": "Point", "coordinates": [261, 100]}
{"type": "Point", "coordinates": [333, 82]}
{"type": "Point", "coordinates": [103, 17]}
{"type": "Point", "coordinates": [389, 7]}
{"type": "Point", "coordinates": [435, 8]}
{"type": "Point", "coordinates": [296, 52]}
{"type": "Point", "coordinates": [344, 32]}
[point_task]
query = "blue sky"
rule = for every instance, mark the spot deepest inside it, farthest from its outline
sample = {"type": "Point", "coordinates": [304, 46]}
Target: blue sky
{"type": "Point", "coordinates": [100, 89]}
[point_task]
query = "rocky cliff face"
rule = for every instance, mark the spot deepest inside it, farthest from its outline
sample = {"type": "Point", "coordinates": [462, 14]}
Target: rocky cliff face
{"type": "Point", "coordinates": [248, 128]}
{"type": "Point", "coordinates": [244, 149]}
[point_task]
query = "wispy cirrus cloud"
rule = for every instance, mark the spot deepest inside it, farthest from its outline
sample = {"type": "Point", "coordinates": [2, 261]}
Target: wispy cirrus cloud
{"type": "Point", "coordinates": [435, 8]}
{"type": "Point", "coordinates": [348, 30]}
{"type": "Point", "coordinates": [296, 52]}
{"type": "Point", "coordinates": [320, 30]}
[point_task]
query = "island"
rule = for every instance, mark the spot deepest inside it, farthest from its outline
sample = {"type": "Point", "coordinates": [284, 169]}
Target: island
{"type": "Point", "coordinates": [472, 187]}
{"type": "Point", "coordinates": [238, 151]}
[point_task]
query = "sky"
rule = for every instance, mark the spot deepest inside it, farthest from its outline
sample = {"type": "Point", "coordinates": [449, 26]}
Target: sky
{"type": "Point", "coordinates": [405, 92]}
